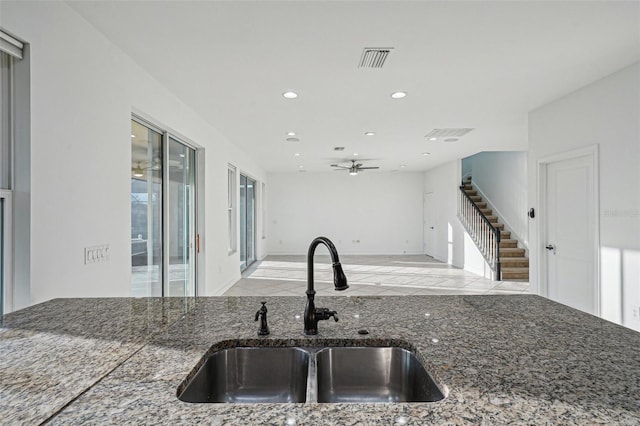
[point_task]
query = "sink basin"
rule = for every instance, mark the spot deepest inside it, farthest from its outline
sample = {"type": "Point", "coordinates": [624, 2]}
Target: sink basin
{"type": "Point", "coordinates": [373, 374]}
{"type": "Point", "coordinates": [250, 375]}
{"type": "Point", "coordinates": [325, 375]}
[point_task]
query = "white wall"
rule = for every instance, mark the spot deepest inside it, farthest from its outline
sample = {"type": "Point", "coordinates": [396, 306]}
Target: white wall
{"type": "Point", "coordinates": [606, 113]}
{"type": "Point", "coordinates": [381, 210]}
{"type": "Point", "coordinates": [443, 184]}
{"type": "Point", "coordinates": [501, 177]}
{"type": "Point", "coordinates": [83, 91]}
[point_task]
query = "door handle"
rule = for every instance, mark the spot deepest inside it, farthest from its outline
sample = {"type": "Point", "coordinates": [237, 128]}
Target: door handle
{"type": "Point", "coordinates": [551, 247]}
{"type": "Point", "coordinates": [431, 227]}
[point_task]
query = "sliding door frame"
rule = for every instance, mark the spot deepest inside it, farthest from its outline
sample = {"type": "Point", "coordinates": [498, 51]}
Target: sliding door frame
{"type": "Point", "coordinates": [255, 224]}
{"type": "Point", "coordinates": [198, 200]}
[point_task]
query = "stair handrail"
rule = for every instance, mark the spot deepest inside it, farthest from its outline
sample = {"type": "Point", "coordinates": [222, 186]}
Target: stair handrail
{"type": "Point", "coordinates": [490, 249]}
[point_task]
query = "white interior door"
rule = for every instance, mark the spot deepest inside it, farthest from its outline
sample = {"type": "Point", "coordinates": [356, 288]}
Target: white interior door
{"type": "Point", "coordinates": [428, 225]}
{"type": "Point", "coordinates": [570, 233]}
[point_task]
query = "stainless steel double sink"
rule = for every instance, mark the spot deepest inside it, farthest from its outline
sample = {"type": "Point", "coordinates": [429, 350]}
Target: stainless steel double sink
{"type": "Point", "coordinates": [298, 375]}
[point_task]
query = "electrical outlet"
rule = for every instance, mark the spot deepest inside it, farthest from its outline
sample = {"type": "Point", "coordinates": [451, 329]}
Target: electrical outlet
{"type": "Point", "coordinates": [636, 312]}
{"type": "Point", "coordinates": [96, 254]}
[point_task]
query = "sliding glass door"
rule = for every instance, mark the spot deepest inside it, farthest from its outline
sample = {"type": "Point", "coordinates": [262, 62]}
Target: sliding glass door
{"type": "Point", "coordinates": [247, 221]}
{"type": "Point", "coordinates": [146, 211]}
{"type": "Point", "coordinates": [181, 214]}
{"type": "Point", "coordinates": [163, 214]}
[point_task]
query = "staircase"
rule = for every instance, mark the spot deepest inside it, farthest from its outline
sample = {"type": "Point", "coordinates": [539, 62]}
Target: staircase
{"type": "Point", "coordinates": [513, 263]}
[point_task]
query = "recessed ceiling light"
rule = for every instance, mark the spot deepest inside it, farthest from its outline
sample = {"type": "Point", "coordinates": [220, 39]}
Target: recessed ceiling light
{"type": "Point", "coordinates": [355, 154]}
{"type": "Point", "coordinates": [402, 166]}
{"type": "Point", "coordinates": [301, 166]}
{"type": "Point", "coordinates": [369, 133]}
{"type": "Point", "coordinates": [433, 139]}
{"type": "Point", "coordinates": [297, 154]}
{"type": "Point", "coordinates": [426, 153]}
{"type": "Point", "coordinates": [451, 140]}
{"type": "Point", "coordinates": [291, 133]}
{"type": "Point", "coordinates": [398, 95]}
{"type": "Point", "coordinates": [133, 136]}
{"type": "Point", "coordinates": [290, 95]}
{"type": "Point", "coordinates": [293, 140]}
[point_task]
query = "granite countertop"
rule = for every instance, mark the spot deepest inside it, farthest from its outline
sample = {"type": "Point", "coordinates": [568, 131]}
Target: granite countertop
{"type": "Point", "coordinates": [498, 359]}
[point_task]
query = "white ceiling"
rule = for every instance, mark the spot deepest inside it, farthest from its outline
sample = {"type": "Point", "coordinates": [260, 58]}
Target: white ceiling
{"type": "Point", "coordinates": [474, 64]}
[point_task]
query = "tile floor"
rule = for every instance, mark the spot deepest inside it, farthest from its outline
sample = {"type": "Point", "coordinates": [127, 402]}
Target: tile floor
{"type": "Point", "coordinates": [401, 275]}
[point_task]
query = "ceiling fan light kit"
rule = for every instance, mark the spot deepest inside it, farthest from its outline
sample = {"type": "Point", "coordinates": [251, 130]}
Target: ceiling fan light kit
{"type": "Point", "coordinates": [354, 168]}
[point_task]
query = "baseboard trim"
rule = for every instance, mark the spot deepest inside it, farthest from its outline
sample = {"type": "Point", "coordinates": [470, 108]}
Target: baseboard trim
{"type": "Point", "coordinates": [226, 286]}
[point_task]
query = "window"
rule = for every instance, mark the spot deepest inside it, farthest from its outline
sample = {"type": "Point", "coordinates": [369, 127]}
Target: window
{"type": "Point", "coordinates": [247, 221]}
{"type": "Point", "coordinates": [231, 207]}
{"type": "Point", "coordinates": [263, 206]}
{"type": "Point", "coordinates": [13, 112]}
{"type": "Point", "coordinates": [163, 213]}
{"type": "Point", "coordinates": [6, 119]}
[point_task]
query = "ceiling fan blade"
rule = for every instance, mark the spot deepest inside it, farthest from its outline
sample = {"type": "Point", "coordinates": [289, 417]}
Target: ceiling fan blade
{"type": "Point", "coordinates": [339, 167]}
{"type": "Point", "coordinates": [367, 168]}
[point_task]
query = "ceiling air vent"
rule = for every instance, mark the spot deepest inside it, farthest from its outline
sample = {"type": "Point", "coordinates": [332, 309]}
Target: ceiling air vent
{"type": "Point", "coordinates": [447, 133]}
{"type": "Point", "coordinates": [374, 57]}
{"type": "Point", "coordinates": [339, 148]}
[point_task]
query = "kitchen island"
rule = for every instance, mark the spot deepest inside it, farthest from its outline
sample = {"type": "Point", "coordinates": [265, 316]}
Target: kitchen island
{"type": "Point", "coordinates": [498, 359]}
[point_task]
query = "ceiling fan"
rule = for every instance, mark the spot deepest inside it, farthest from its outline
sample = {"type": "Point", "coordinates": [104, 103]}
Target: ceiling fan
{"type": "Point", "coordinates": [353, 168]}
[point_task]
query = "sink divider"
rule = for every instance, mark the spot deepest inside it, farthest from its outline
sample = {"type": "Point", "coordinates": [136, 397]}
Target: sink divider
{"type": "Point", "coordinates": [312, 377]}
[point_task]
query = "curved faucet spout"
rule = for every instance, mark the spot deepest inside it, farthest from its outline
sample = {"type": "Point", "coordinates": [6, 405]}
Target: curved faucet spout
{"type": "Point", "coordinates": [312, 314]}
{"type": "Point", "coordinates": [339, 279]}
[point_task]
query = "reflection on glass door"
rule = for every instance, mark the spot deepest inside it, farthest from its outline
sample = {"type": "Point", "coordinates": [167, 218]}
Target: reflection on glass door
{"type": "Point", "coordinates": [181, 220]}
{"type": "Point", "coordinates": [146, 211]}
{"type": "Point", "coordinates": [163, 214]}
{"type": "Point", "coordinates": [247, 221]}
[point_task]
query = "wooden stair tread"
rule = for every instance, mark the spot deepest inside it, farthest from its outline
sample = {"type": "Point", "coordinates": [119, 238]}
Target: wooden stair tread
{"type": "Point", "coordinates": [512, 252]}
{"type": "Point", "coordinates": [508, 243]}
{"type": "Point", "coordinates": [514, 274]}
{"type": "Point", "coordinates": [514, 269]}
{"type": "Point", "coordinates": [514, 262]}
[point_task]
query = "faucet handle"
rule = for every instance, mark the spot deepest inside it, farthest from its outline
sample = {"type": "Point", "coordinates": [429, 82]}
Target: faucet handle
{"type": "Point", "coordinates": [261, 311]}
{"type": "Point", "coordinates": [333, 314]}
